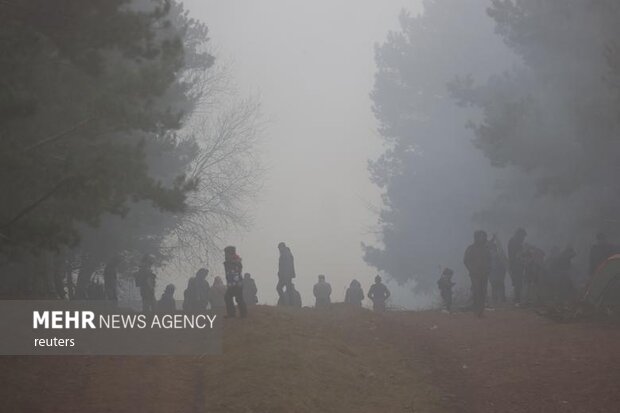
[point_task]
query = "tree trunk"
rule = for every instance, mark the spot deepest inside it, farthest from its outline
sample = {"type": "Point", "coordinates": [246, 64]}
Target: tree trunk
{"type": "Point", "coordinates": [87, 268]}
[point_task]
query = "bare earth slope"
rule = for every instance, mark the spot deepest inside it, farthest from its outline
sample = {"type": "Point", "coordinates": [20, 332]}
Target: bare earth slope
{"type": "Point", "coordinates": [345, 360]}
{"type": "Point", "coordinates": [516, 361]}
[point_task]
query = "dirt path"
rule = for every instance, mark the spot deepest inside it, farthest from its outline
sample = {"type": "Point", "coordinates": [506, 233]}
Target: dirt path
{"type": "Point", "coordinates": [343, 361]}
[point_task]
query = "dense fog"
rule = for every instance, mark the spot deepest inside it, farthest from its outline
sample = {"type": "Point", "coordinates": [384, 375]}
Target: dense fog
{"type": "Point", "coordinates": [310, 206]}
{"type": "Point", "coordinates": [371, 137]}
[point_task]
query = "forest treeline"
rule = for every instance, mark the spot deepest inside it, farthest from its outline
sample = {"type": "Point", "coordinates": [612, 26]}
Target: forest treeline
{"type": "Point", "coordinates": [120, 136]}
{"type": "Point", "coordinates": [496, 115]}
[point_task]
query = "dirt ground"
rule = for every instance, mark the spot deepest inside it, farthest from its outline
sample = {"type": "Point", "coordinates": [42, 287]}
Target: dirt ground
{"type": "Point", "coordinates": [345, 360]}
{"type": "Point", "coordinates": [515, 361]}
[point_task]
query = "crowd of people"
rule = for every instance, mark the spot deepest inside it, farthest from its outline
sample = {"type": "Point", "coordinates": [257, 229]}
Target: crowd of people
{"type": "Point", "coordinates": [240, 291]}
{"type": "Point", "coordinates": [322, 290]}
{"type": "Point", "coordinates": [536, 279]}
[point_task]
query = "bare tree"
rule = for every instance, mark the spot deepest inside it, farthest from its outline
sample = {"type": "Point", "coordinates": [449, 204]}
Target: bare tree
{"type": "Point", "coordinates": [229, 173]}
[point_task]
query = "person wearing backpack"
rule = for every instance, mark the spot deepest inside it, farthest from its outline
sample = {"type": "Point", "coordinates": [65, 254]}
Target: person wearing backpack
{"type": "Point", "coordinates": [234, 283]}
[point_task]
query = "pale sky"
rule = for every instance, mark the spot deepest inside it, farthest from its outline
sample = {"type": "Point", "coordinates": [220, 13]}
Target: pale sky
{"type": "Point", "coordinates": [312, 63]}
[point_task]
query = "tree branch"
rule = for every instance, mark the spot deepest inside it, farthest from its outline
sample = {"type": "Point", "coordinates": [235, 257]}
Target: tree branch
{"type": "Point", "coordinates": [58, 136]}
{"type": "Point", "coordinates": [35, 204]}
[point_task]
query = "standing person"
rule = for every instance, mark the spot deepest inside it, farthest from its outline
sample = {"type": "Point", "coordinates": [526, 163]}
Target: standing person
{"type": "Point", "coordinates": [202, 289]}
{"type": "Point", "coordinates": [294, 297]}
{"type": "Point", "coordinates": [515, 263]}
{"type": "Point", "coordinates": [562, 287]}
{"type": "Point", "coordinates": [286, 272]}
{"type": "Point", "coordinates": [378, 294]}
{"type": "Point", "coordinates": [249, 289]}
{"type": "Point", "coordinates": [477, 260]}
{"type": "Point", "coordinates": [145, 281]}
{"type": "Point", "coordinates": [533, 275]}
{"type": "Point", "coordinates": [166, 304]}
{"type": "Point", "coordinates": [445, 285]}
{"type": "Point", "coordinates": [217, 293]}
{"type": "Point", "coordinates": [96, 290]}
{"type": "Point", "coordinates": [196, 296]}
{"type": "Point", "coordinates": [322, 292]}
{"type": "Point", "coordinates": [190, 302]}
{"type": "Point", "coordinates": [234, 283]}
{"type": "Point", "coordinates": [600, 251]}
{"type": "Point", "coordinates": [110, 278]}
{"type": "Point", "coordinates": [354, 294]}
{"type": "Point", "coordinates": [499, 264]}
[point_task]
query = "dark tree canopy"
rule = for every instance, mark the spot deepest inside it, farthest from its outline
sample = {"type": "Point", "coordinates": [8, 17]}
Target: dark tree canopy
{"type": "Point", "coordinates": [85, 86]}
{"type": "Point", "coordinates": [541, 111]}
{"type": "Point", "coordinates": [432, 178]}
{"type": "Point", "coordinates": [96, 163]}
{"type": "Point", "coordinates": [555, 118]}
